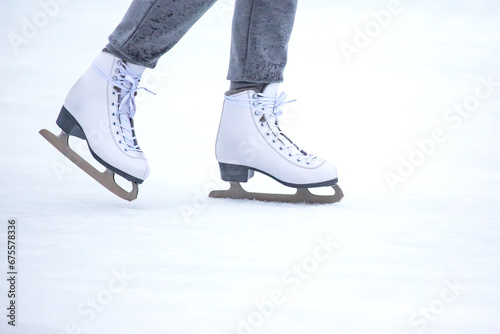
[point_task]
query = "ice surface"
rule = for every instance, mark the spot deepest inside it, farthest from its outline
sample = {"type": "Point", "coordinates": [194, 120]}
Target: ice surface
{"type": "Point", "coordinates": [198, 265]}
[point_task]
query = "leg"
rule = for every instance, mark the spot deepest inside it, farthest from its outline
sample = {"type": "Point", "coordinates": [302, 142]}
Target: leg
{"type": "Point", "coordinates": [250, 139]}
{"type": "Point", "coordinates": [260, 34]}
{"type": "Point", "coordinates": [100, 107]}
{"type": "Point", "coordinates": [151, 28]}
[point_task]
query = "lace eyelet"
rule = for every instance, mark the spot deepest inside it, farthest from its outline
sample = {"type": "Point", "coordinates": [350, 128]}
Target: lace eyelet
{"type": "Point", "coordinates": [112, 114]}
{"type": "Point", "coordinates": [298, 160]}
{"type": "Point", "coordinates": [289, 154]}
{"type": "Point", "coordinates": [117, 70]}
{"type": "Point", "coordinates": [268, 134]}
{"type": "Point", "coordinates": [126, 150]}
{"type": "Point", "coordinates": [255, 96]}
{"type": "Point", "coordinates": [114, 93]}
{"type": "Point", "coordinates": [281, 148]}
{"type": "Point", "coordinates": [256, 113]}
{"type": "Point", "coordinates": [255, 103]}
{"type": "Point", "coordinates": [117, 132]}
{"type": "Point", "coordinates": [261, 124]}
{"type": "Point", "coordinates": [119, 62]}
{"type": "Point", "coordinates": [114, 123]}
{"type": "Point", "coordinates": [113, 104]}
{"type": "Point", "coordinates": [274, 140]}
{"type": "Point", "coordinates": [308, 163]}
{"type": "Point", "coordinates": [115, 78]}
{"type": "Point", "coordinates": [119, 142]}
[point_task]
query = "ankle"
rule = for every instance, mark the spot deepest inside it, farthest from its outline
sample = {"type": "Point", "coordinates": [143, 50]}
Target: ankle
{"type": "Point", "coordinates": [240, 85]}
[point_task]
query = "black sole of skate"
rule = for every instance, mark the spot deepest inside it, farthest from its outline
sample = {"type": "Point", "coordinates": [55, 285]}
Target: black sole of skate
{"type": "Point", "coordinates": [234, 174]}
{"type": "Point", "coordinates": [70, 127]}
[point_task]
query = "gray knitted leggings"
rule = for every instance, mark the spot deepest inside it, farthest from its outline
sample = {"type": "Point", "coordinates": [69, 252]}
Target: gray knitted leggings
{"type": "Point", "coordinates": [260, 34]}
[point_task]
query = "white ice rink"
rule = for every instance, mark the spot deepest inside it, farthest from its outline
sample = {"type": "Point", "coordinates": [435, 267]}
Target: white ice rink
{"type": "Point", "coordinates": [406, 106]}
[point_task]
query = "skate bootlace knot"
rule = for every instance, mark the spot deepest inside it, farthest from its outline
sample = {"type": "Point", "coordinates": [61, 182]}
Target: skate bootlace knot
{"type": "Point", "coordinates": [271, 105]}
{"type": "Point", "coordinates": [126, 84]}
{"type": "Point", "coordinates": [269, 108]}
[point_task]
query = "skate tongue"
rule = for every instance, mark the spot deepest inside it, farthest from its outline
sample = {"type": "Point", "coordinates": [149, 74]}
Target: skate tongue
{"type": "Point", "coordinates": [137, 69]}
{"type": "Point", "coordinates": [271, 89]}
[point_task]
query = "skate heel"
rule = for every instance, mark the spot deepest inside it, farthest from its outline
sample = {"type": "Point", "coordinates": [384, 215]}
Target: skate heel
{"type": "Point", "coordinates": [68, 124]}
{"type": "Point", "coordinates": [235, 173]}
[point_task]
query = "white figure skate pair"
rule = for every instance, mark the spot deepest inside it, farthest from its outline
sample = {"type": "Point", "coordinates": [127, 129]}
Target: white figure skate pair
{"type": "Point", "coordinates": [100, 109]}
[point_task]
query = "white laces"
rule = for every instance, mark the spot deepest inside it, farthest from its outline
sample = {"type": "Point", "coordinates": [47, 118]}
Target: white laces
{"type": "Point", "coordinates": [127, 82]}
{"type": "Point", "coordinates": [269, 108]}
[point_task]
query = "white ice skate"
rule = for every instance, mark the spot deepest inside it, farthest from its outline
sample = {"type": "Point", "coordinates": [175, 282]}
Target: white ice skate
{"type": "Point", "coordinates": [99, 109]}
{"type": "Point", "coordinates": [250, 140]}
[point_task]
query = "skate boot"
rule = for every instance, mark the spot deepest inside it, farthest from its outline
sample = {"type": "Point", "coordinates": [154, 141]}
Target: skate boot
{"type": "Point", "coordinates": [250, 140]}
{"type": "Point", "coordinates": [100, 109]}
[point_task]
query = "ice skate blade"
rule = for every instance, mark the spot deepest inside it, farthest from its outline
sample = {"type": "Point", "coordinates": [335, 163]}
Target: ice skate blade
{"type": "Point", "coordinates": [303, 195]}
{"type": "Point", "coordinates": [106, 178]}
